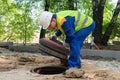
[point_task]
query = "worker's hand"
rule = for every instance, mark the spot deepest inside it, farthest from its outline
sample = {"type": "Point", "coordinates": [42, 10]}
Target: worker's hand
{"type": "Point", "coordinates": [66, 45]}
{"type": "Point", "coordinates": [53, 37]}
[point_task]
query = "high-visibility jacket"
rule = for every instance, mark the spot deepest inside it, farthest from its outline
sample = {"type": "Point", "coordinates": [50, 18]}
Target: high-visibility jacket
{"type": "Point", "coordinates": [83, 22]}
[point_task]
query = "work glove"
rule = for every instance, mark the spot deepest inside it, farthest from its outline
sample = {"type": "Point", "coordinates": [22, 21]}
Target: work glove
{"type": "Point", "coordinates": [66, 45]}
{"type": "Point", "coordinates": [53, 37]}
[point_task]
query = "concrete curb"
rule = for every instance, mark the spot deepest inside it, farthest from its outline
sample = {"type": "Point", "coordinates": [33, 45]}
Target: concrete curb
{"type": "Point", "coordinates": [22, 48]}
{"type": "Point", "coordinates": [85, 53]}
{"type": "Point", "coordinates": [106, 54]}
{"type": "Point", "coordinates": [5, 44]}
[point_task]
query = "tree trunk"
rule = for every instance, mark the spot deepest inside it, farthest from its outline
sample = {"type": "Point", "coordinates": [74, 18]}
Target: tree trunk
{"type": "Point", "coordinates": [25, 28]}
{"type": "Point", "coordinates": [42, 32]}
{"type": "Point", "coordinates": [109, 29]}
{"type": "Point", "coordinates": [98, 9]}
{"type": "Point", "coordinates": [71, 4]}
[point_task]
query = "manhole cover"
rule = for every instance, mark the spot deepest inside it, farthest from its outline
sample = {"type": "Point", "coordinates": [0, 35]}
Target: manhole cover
{"type": "Point", "coordinates": [49, 70]}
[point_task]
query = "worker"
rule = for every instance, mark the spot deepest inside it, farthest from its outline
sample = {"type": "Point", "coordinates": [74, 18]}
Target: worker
{"type": "Point", "coordinates": [75, 25]}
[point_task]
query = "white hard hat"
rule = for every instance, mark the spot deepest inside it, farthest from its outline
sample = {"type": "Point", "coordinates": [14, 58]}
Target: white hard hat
{"type": "Point", "coordinates": [45, 19]}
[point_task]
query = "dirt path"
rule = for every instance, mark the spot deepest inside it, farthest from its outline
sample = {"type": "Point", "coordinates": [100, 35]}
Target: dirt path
{"type": "Point", "coordinates": [18, 67]}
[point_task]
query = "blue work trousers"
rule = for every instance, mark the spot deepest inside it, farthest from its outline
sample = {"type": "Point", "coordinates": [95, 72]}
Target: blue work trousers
{"type": "Point", "coordinates": [76, 45]}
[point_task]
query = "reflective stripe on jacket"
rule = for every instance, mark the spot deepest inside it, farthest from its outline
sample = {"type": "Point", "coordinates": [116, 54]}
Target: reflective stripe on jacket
{"type": "Point", "coordinates": [83, 22]}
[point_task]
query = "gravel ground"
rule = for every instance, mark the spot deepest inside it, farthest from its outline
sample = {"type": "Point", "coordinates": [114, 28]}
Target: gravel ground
{"type": "Point", "coordinates": [114, 65]}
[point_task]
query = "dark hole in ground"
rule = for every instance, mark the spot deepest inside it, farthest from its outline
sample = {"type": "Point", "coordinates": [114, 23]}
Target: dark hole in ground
{"type": "Point", "coordinates": [49, 70]}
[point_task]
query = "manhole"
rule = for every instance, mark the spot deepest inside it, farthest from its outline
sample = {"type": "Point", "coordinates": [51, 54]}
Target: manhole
{"type": "Point", "coordinates": [49, 70]}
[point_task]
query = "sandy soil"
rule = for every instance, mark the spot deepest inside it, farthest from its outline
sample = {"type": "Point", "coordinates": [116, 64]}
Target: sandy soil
{"type": "Point", "coordinates": [18, 67]}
